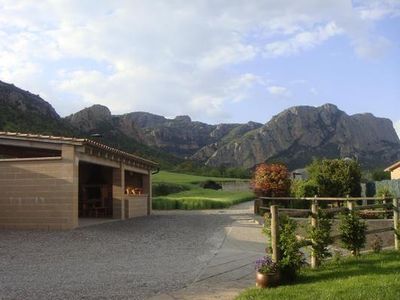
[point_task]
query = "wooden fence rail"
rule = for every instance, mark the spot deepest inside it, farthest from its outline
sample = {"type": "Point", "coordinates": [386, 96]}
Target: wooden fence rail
{"type": "Point", "coordinates": [274, 210]}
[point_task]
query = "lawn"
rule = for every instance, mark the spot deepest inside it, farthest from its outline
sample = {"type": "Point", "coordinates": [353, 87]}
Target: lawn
{"type": "Point", "coordinates": [182, 191]}
{"type": "Point", "coordinates": [372, 276]}
{"type": "Point", "coordinates": [179, 178]}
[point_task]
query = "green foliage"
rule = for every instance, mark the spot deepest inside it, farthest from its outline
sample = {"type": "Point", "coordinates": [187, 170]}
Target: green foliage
{"type": "Point", "coordinates": [384, 191]}
{"type": "Point", "coordinates": [164, 188]}
{"type": "Point", "coordinates": [291, 258]}
{"type": "Point", "coordinates": [380, 175]}
{"type": "Point", "coordinates": [321, 236]}
{"type": "Point", "coordinates": [352, 232]}
{"type": "Point", "coordinates": [336, 177]}
{"type": "Point", "coordinates": [303, 188]}
{"type": "Point", "coordinates": [271, 180]}
{"type": "Point", "coordinates": [371, 276]}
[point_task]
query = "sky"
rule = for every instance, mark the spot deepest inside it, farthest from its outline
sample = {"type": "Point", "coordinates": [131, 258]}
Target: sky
{"type": "Point", "coordinates": [217, 61]}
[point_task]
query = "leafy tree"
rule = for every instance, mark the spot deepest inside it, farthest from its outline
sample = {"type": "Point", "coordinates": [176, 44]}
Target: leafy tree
{"type": "Point", "coordinates": [271, 180]}
{"type": "Point", "coordinates": [336, 177]}
{"type": "Point", "coordinates": [379, 175]}
{"type": "Point", "coordinates": [321, 236]}
{"type": "Point", "coordinates": [303, 188]}
{"type": "Point", "coordinates": [352, 232]}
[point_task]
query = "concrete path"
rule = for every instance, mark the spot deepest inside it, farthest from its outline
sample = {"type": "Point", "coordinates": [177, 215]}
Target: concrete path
{"type": "Point", "coordinates": [232, 268]}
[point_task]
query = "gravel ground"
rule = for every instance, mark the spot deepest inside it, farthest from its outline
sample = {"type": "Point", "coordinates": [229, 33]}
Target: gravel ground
{"type": "Point", "coordinates": [132, 259]}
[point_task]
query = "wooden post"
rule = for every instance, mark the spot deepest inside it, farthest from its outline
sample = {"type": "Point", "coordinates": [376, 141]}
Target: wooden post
{"type": "Point", "coordinates": [350, 204]}
{"type": "Point", "coordinates": [314, 224]}
{"type": "Point", "coordinates": [257, 206]}
{"type": "Point", "coordinates": [275, 233]}
{"type": "Point", "coordinates": [384, 202]}
{"type": "Point", "coordinates": [396, 222]}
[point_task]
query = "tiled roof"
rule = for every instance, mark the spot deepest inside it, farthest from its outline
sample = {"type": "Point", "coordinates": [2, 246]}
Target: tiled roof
{"type": "Point", "coordinates": [72, 141]}
{"type": "Point", "coordinates": [393, 167]}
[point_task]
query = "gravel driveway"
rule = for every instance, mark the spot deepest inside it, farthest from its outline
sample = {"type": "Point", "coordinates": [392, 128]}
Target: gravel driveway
{"type": "Point", "coordinates": [131, 259]}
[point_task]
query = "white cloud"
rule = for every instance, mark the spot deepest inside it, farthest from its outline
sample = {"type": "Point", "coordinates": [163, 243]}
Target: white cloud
{"type": "Point", "coordinates": [377, 10]}
{"type": "Point", "coordinates": [190, 56]}
{"type": "Point", "coordinates": [278, 91]}
{"type": "Point", "coordinates": [302, 41]}
{"type": "Point", "coordinates": [397, 127]}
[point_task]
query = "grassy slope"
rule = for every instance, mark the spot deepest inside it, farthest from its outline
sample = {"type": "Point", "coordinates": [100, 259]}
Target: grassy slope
{"type": "Point", "coordinates": [179, 178]}
{"type": "Point", "coordinates": [373, 276]}
{"type": "Point", "coordinates": [196, 197]}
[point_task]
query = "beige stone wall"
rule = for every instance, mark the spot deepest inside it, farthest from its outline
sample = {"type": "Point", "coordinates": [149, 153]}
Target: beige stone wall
{"type": "Point", "coordinates": [135, 206]}
{"type": "Point", "coordinates": [395, 173]}
{"type": "Point", "coordinates": [118, 191]}
{"type": "Point", "coordinates": [39, 194]}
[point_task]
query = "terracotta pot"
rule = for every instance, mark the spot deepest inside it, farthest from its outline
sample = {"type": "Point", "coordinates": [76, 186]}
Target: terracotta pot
{"type": "Point", "coordinates": [267, 280]}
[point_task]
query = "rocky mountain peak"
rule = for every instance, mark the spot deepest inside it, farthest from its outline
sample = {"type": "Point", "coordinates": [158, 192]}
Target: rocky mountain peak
{"type": "Point", "coordinates": [91, 118]}
{"type": "Point", "coordinates": [183, 119]}
{"type": "Point", "coordinates": [24, 101]}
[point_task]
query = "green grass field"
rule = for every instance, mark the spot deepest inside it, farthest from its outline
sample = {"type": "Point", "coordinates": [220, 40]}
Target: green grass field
{"type": "Point", "coordinates": [182, 191]}
{"type": "Point", "coordinates": [179, 178]}
{"type": "Point", "coordinates": [372, 276]}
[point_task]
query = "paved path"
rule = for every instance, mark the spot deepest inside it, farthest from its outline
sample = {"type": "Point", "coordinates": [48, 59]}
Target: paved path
{"type": "Point", "coordinates": [232, 268]}
{"type": "Point", "coordinates": [172, 254]}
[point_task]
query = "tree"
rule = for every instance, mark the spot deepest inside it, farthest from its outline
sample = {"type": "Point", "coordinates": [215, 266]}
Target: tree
{"type": "Point", "coordinates": [271, 180]}
{"type": "Point", "coordinates": [336, 177]}
{"type": "Point", "coordinates": [352, 232]}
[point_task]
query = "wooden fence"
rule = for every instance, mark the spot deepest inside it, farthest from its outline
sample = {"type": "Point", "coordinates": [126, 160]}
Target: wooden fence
{"type": "Point", "coordinates": [337, 205]}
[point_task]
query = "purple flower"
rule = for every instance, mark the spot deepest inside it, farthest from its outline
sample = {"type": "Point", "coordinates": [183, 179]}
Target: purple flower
{"type": "Point", "coordinates": [265, 265]}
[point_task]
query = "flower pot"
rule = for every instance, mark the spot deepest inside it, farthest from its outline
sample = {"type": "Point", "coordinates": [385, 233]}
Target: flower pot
{"type": "Point", "coordinates": [267, 280]}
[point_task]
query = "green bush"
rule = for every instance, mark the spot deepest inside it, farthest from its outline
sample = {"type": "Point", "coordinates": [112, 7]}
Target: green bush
{"type": "Point", "coordinates": [163, 189]}
{"type": "Point", "coordinates": [321, 235]}
{"type": "Point", "coordinates": [303, 188]}
{"type": "Point", "coordinates": [291, 258]}
{"type": "Point", "coordinates": [211, 184]}
{"type": "Point", "coordinates": [384, 191]}
{"type": "Point", "coordinates": [352, 232]}
{"type": "Point", "coordinates": [336, 177]}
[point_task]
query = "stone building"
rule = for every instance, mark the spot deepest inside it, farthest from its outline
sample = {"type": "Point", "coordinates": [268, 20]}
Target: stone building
{"type": "Point", "coordinates": [49, 182]}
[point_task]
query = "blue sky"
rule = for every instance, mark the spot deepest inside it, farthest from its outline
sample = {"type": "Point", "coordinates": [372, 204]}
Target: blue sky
{"type": "Point", "coordinates": [217, 61]}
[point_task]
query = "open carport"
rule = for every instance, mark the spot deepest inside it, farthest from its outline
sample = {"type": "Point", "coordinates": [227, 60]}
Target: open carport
{"type": "Point", "coordinates": [48, 182]}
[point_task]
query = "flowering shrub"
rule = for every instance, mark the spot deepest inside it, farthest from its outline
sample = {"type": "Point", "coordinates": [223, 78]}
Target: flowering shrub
{"type": "Point", "coordinates": [271, 180]}
{"type": "Point", "coordinates": [265, 265]}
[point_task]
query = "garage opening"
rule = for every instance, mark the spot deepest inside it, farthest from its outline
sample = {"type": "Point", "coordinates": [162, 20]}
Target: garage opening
{"type": "Point", "coordinates": [95, 191]}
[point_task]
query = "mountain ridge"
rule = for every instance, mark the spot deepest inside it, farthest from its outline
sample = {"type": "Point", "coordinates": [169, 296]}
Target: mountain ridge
{"type": "Point", "coordinates": [295, 136]}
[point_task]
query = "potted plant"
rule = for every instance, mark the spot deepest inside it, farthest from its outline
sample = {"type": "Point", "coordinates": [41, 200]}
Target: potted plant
{"type": "Point", "coordinates": [267, 272]}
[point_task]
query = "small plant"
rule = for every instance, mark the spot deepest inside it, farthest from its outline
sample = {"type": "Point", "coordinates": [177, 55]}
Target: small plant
{"type": "Point", "coordinates": [320, 235]}
{"type": "Point", "coordinates": [291, 258]}
{"type": "Point", "coordinates": [352, 232]}
{"type": "Point", "coordinates": [377, 244]}
{"type": "Point", "coordinates": [384, 191]}
{"type": "Point", "coordinates": [265, 265]}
